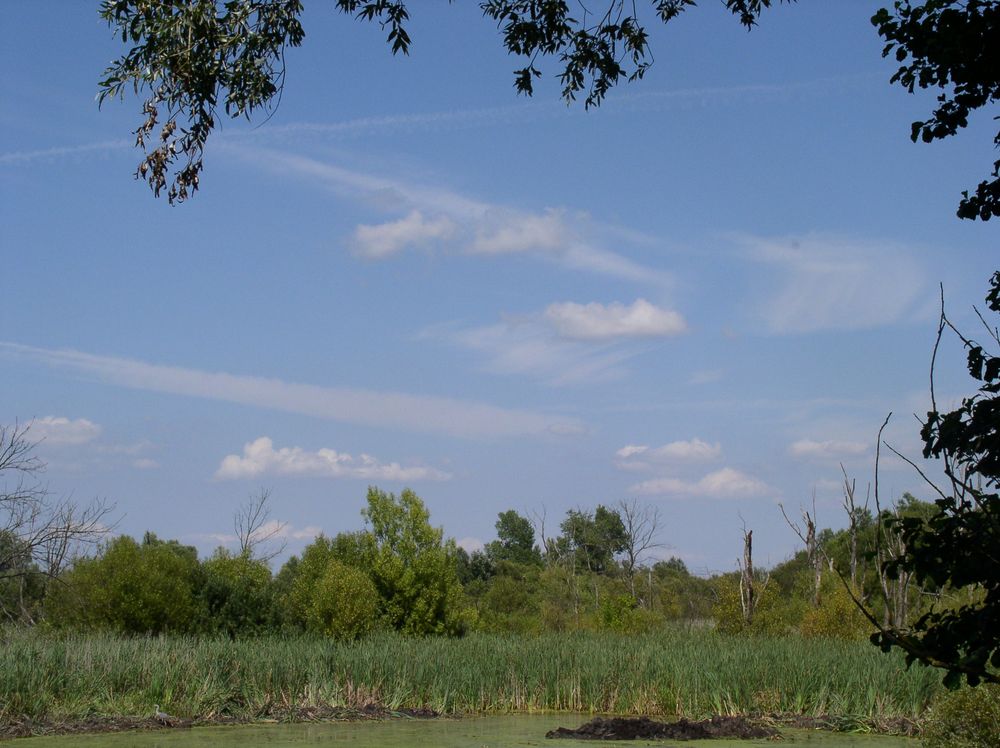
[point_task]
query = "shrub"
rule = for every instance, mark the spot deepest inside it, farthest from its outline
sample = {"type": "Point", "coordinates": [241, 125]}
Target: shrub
{"type": "Point", "coordinates": [837, 617]}
{"type": "Point", "coordinates": [344, 603]}
{"type": "Point", "coordinates": [622, 613]}
{"type": "Point", "coordinates": [133, 588]}
{"type": "Point", "coordinates": [236, 593]}
{"type": "Point", "coordinates": [967, 718]}
{"type": "Point", "coordinates": [770, 617]}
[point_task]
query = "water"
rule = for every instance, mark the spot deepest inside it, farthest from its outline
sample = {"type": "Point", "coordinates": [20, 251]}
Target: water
{"type": "Point", "coordinates": [519, 731]}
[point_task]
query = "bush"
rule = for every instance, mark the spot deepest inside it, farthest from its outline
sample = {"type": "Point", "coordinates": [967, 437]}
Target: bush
{"type": "Point", "coordinates": [837, 617]}
{"type": "Point", "coordinates": [510, 604]}
{"type": "Point", "coordinates": [236, 593]}
{"type": "Point", "coordinates": [344, 603]}
{"type": "Point", "coordinates": [771, 614]}
{"type": "Point", "coordinates": [132, 588]}
{"type": "Point", "coordinates": [967, 718]}
{"type": "Point", "coordinates": [622, 613]}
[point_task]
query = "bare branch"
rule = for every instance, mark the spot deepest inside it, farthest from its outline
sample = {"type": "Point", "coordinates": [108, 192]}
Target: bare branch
{"type": "Point", "coordinates": [254, 528]}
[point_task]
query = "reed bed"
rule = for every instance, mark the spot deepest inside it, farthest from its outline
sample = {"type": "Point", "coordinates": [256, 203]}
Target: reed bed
{"type": "Point", "coordinates": [675, 672]}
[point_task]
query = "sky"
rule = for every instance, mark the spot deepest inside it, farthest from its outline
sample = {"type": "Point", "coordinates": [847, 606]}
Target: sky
{"type": "Point", "coordinates": [705, 295]}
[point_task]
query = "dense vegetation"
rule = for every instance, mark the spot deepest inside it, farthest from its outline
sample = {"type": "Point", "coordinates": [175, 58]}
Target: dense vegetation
{"type": "Point", "coordinates": [400, 574]}
{"type": "Point", "coordinates": [672, 671]}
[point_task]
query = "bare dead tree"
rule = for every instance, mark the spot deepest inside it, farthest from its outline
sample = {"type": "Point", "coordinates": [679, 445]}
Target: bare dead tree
{"type": "Point", "coordinates": [254, 528]}
{"type": "Point", "coordinates": [889, 545]}
{"type": "Point", "coordinates": [748, 597]}
{"type": "Point", "coordinates": [854, 513]}
{"type": "Point", "coordinates": [537, 520]}
{"type": "Point", "coordinates": [39, 533]}
{"type": "Point", "coordinates": [814, 554]}
{"type": "Point", "coordinates": [642, 526]}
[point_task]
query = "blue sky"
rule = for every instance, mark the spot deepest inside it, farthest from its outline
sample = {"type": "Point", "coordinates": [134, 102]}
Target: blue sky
{"type": "Point", "coordinates": [705, 295]}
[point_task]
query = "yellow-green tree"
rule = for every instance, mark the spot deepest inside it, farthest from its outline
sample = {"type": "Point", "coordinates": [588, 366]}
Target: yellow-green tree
{"type": "Point", "coordinates": [412, 566]}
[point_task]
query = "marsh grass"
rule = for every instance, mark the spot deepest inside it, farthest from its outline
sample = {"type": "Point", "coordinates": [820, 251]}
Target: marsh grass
{"type": "Point", "coordinates": [675, 672]}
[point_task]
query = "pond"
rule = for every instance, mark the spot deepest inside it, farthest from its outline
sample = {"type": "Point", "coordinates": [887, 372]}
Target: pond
{"type": "Point", "coordinates": [518, 731]}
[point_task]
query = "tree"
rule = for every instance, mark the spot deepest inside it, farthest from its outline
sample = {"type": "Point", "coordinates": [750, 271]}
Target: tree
{"type": "Point", "coordinates": [133, 588]}
{"type": "Point", "coordinates": [958, 545]}
{"type": "Point", "coordinates": [236, 594]}
{"type": "Point", "coordinates": [255, 529]}
{"type": "Point", "coordinates": [642, 524]}
{"type": "Point", "coordinates": [592, 539]}
{"type": "Point", "coordinates": [515, 540]}
{"type": "Point", "coordinates": [37, 533]}
{"type": "Point", "coordinates": [413, 568]}
{"type": "Point", "coordinates": [952, 45]}
{"type": "Point", "coordinates": [344, 604]}
{"type": "Point", "coordinates": [194, 57]}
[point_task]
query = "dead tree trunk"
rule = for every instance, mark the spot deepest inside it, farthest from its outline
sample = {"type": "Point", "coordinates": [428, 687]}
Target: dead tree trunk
{"type": "Point", "coordinates": [748, 598]}
{"type": "Point", "coordinates": [853, 515]}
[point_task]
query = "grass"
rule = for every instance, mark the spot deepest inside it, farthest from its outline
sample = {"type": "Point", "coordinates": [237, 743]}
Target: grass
{"type": "Point", "coordinates": [674, 672]}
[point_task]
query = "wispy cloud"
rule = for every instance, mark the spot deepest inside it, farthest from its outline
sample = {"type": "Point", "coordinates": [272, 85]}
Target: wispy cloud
{"type": "Point", "coordinates": [414, 230]}
{"type": "Point", "coordinates": [522, 346]}
{"type": "Point", "coordinates": [834, 283]}
{"type": "Point", "coordinates": [706, 376]}
{"type": "Point", "coordinates": [270, 530]}
{"type": "Point", "coordinates": [14, 158]}
{"type": "Point", "coordinates": [567, 343]}
{"type": "Point", "coordinates": [261, 458]}
{"type": "Point", "coordinates": [726, 483]}
{"type": "Point", "coordinates": [829, 449]}
{"type": "Point", "coordinates": [473, 226]}
{"type": "Point", "coordinates": [63, 431]}
{"type": "Point", "coordinates": [387, 409]}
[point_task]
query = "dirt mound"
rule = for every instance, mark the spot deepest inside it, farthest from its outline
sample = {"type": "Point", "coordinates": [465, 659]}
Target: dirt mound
{"type": "Point", "coordinates": [643, 728]}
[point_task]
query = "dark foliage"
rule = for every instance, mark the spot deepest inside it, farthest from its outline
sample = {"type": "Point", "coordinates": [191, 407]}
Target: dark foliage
{"type": "Point", "coordinates": [198, 56]}
{"type": "Point", "coordinates": [955, 47]}
{"type": "Point", "coordinates": [959, 544]}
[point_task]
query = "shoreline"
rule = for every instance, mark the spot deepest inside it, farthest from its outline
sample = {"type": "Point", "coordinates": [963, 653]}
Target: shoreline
{"type": "Point", "coordinates": [96, 725]}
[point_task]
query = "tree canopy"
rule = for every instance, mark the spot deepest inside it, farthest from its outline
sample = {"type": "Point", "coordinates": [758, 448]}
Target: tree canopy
{"type": "Point", "coordinates": [194, 58]}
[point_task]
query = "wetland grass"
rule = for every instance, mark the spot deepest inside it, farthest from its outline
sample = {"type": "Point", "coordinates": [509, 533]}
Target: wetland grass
{"type": "Point", "coordinates": [672, 672]}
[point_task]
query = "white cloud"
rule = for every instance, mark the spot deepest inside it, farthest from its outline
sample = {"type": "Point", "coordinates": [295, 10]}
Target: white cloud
{"type": "Point", "coordinates": [386, 409]}
{"type": "Point", "coordinates": [692, 450]}
{"type": "Point", "coordinates": [830, 449]}
{"type": "Point", "coordinates": [568, 343]}
{"type": "Point", "coordinates": [61, 430]}
{"type": "Point", "coordinates": [630, 450]}
{"type": "Point", "coordinates": [474, 227]}
{"type": "Point", "coordinates": [603, 322]}
{"type": "Point", "coordinates": [833, 283]}
{"type": "Point", "coordinates": [145, 463]}
{"type": "Point", "coordinates": [470, 545]}
{"type": "Point", "coordinates": [261, 458]}
{"type": "Point", "coordinates": [724, 483]}
{"type": "Point", "coordinates": [386, 239]}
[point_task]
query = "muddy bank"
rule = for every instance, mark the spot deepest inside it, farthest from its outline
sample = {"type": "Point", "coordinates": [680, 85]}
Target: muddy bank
{"type": "Point", "coordinates": [643, 728]}
{"type": "Point", "coordinates": [96, 724]}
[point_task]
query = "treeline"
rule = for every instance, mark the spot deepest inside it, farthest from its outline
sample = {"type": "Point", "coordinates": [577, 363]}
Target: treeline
{"type": "Point", "coordinates": [598, 572]}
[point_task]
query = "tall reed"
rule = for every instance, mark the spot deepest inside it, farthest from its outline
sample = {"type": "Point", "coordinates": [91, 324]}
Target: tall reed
{"type": "Point", "coordinates": [673, 672]}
